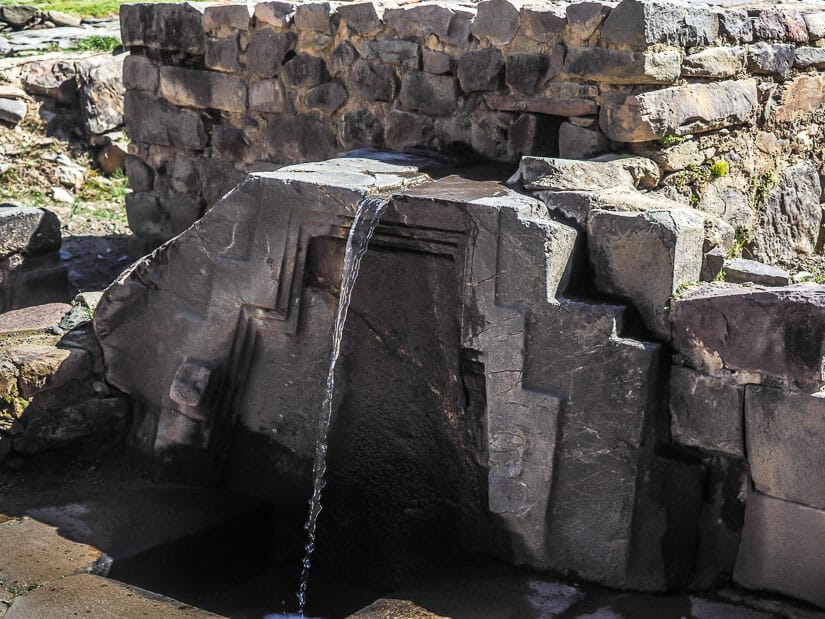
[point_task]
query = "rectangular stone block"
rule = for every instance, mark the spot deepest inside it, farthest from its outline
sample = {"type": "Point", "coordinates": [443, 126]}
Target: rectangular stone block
{"type": "Point", "coordinates": [27, 230]}
{"type": "Point", "coordinates": [542, 105]}
{"type": "Point", "coordinates": [715, 62]}
{"type": "Point", "coordinates": [802, 95]}
{"type": "Point", "coordinates": [224, 19]}
{"type": "Point", "coordinates": [637, 24]}
{"type": "Point", "coordinates": [645, 257]}
{"type": "Point", "coordinates": [785, 433]}
{"type": "Point", "coordinates": [577, 142]}
{"type": "Point", "coordinates": [781, 549]}
{"type": "Point", "coordinates": [777, 332]}
{"type": "Point", "coordinates": [170, 26]}
{"type": "Point", "coordinates": [706, 413]}
{"type": "Point", "coordinates": [402, 53]}
{"type": "Point", "coordinates": [202, 89]}
{"type": "Point", "coordinates": [612, 66]}
{"type": "Point", "coordinates": [223, 54]}
{"type": "Point", "coordinates": [431, 94]}
{"type": "Point", "coordinates": [680, 110]}
{"type": "Point", "coordinates": [154, 121]}
{"type": "Point", "coordinates": [140, 73]}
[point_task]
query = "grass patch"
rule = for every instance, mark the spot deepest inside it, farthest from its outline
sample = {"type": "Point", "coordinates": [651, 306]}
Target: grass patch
{"type": "Point", "coordinates": [671, 140]}
{"type": "Point", "coordinates": [80, 8]}
{"type": "Point", "coordinates": [96, 43]}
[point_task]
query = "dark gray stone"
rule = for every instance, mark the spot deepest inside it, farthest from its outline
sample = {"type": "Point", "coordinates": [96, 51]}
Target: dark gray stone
{"type": "Point", "coordinates": [741, 270]}
{"type": "Point", "coordinates": [173, 27]}
{"type": "Point", "coordinates": [28, 231]}
{"type": "Point", "coordinates": [706, 413]}
{"type": "Point", "coordinates": [359, 18]}
{"type": "Point", "coordinates": [437, 63]}
{"type": "Point", "coordinates": [406, 130]}
{"type": "Point", "coordinates": [140, 73]}
{"type": "Point", "coordinates": [496, 20]}
{"type": "Point", "coordinates": [777, 332]}
{"type": "Point", "coordinates": [771, 59]}
{"type": "Point", "coordinates": [532, 134]}
{"type": "Point", "coordinates": [304, 71]}
{"type": "Point", "coordinates": [141, 176]}
{"type": "Point", "coordinates": [736, 24]}
{"type": "Point", "coordinates": [401, 53]}
{"type": "Point", "coordinates": [481, 70]}
{"type": "Point", "coordinates": [419, 22]}
{"type": "Point", "coordinates": [790, 219]}
{"type": "Point", "coordinates": [267, 50]}
{"type": "Point", "coordinates": [372, 81]}
{"type": "Point", "coordinates": [18, 15]}
{"type": "Point", "coordinates": [645, 257]}
{"type": "Point", "coordinates": [227, 17]}
{"type": "Point", "coordinates": [527, 72]}
{"type": "Point", "coordinates": [223, 54]}
{"type": "Point", "coordinates": [780, 25]}
{"type": "Point", "coordinates": [713, 263]}
{"type": "Point", "coordinates": [101, 89]}
{"type": "Point", "coordinates": [229, 143]}
{"type": "Point", "coordinates": [543, 24]}
{"type": "Point", "coordinates": [343, 57]}
{"type": "Point", "coordinates": [327, 98]}
{"type": "Point", "coordinates": [805, 57]}
{"type": "Point", "coordinates": [577, 142]}
{"type": "Point", "coordinates": [623, 67]}
{"type": "Point", "coordinates": [203, 89]}
{"type": "Point", "coordinates": [785, 431]}
{"type": "Point", "coordinates": [299, 138]}
{"type": "Point", "coordinates": [583, 22]}
{"type": "Point", "coordinates": [361, 129]}
{"type": "Point", "coordinates": [430, 94]}
{"type": "Point", "coordinates": [781, 549]}
{"type": "Point", "coordinates": [267, 96]}
{"type": "Point", "coordinates": [637, 24]}
{"type": "Point", "coordinates": [32, 280]}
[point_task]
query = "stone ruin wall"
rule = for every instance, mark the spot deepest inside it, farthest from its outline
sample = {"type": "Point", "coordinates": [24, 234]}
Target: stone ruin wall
{"type": "Point", "coordinates": [723, 471]}
{"type": "Point", "coordinates": [216, 91]}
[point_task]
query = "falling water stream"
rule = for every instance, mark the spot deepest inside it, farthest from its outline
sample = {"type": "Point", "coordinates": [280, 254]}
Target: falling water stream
{"type": "Point", "coordinates": [366, 219]}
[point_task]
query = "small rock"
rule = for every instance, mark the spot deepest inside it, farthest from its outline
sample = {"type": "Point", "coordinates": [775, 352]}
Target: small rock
{"type": "Point", "coordinates": [12, 110]}
{"type": "Point", "coordinates": [61, 195]}
{"type": "Point", "coordinates": [63, 19]}
{"type": "Point", "coordinates": [740, 271]}
{"type": "Point", "coordinates": [70, 176]}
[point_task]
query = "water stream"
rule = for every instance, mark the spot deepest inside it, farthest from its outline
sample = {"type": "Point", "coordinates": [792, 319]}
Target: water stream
{"type": "Point", "coordinates": [366, 219]}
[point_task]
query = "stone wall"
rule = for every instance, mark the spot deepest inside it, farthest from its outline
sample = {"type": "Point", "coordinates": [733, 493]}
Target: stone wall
{"type": "Point", "coordinates": [215, 91]}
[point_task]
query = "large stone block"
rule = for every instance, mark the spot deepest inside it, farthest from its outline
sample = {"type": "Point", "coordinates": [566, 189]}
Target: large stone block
{"type": "Point", "coordinates": [805, 57]}
{"type": "Point", "coordinates": [223, 54]}
{"type": "Point", "coordinates": [801, 96]}
{"type": "Point", "coordinates": [785, 433]}
{"type": "Point", "coordinates": [545, 24]}
{"type": "Point", "coordinates": [430, 94]}
{"type": "Point", "coordinates": [299, 138]}
{"type": "Point", "coordinates": [623, 67]}
{"type": "Point", "coordinates": [645, 257]}
{"type": "Point", "coordinates": [527, 72]}
{"type": "Point", "coordinates": [406, 130]}
{"type": "Point", "coordinates": [480, 70]}
{"type": "Point", "coordinates": [304, 71]}
{"type": "Point", "coordinates": [777, 332]}
{"type": "Point", "coordinates": [790, 218]}
{"type": "Point", "coordinates": [359, 18]}
{"type": "Point", "coordinates": [219, 19]}
{"type": "Point", "coordinates": [771, 59]}
{"type": "Point", "coordinates": [401, 53]}
{"type": "Point", "coordinates": [496, 21]}
{"type": "Point", "coordinates": [583, 22]}
{"type": "Point", "coordinates": [361, 129]}
{"type": "Point", "coordinates": [581, 142]}
{"type": "Point", "coordinates": [715, 62]}
{"type": "Point", "coordinates": [781, 549]}
{"type": "Point", "coordinates": [267, 49]}
{"type": "Point", "coordinates": [202, 89]}
{"type": "Point", "coordinates": [100, 89]}
{"type": "Point", "coordinates": [140, 73]}
{"type": "Point", "coordinates": [637, 24]}
{"type": "Point", "coordinates": [736, 24]}
{"type": "Point", "coordinates": [26, 230]}
{"type": "Point", "coordinates": [172, 27]}
{"type": "Point", "coordinates": [373, 81]}
{"type": "Point", "coordinates": [680, 110]}
{"type": "Point", "coordinates": [706, 413]}
{"type": "Point", "coordinates": [419, 22]}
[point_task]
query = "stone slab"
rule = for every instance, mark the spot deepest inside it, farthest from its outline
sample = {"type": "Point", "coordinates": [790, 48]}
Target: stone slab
{"type": "Point", "coordinates": [741, 270]}
{"type": "Point", "coordinates": [33, 318]}
{"type": "Point", "coordinates": [27, 230]}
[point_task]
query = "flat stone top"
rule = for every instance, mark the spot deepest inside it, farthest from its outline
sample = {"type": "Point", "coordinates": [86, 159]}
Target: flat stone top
{"type": "Point", "coordinates": [32, 318]}
{"type": "Point", "coordinates": [803, 293]}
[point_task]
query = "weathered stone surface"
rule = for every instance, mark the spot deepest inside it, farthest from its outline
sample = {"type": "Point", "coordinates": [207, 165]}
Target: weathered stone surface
{"type": "Point", "coordinates": [226, 17]}
{"type": "Point", "coordinates": [431, 94]}
{"type": "Point", "coordinates": [359, 18]}
{"type": "Point", "coordinates": [531, 134]}
{"type": "Point", "coordinates": [314, 16]}
{"type": "Point", "coordinates": [805, 57]}
{"type": "Point", "coordinates": [435, 62]}
{"type": "Point", "coordinates": [373, 81]}
{"type": "Point", "coordinates": [13, 111]}
{"type": "Point", "coordinates": [715, 62]}
{"type": "Point", "coordinates": [780, 549]}
{"type": "Point", "coordinates": [278, 14]}
{"type": "Point", "coordinates": [202, 89]}
{"type": "Point", "coordinates": [676, 157]}
{"type": "Point", "coordinates": [481, 70]}
{"type": "Point", "coordinates": [18, 15]}
{"type": "Point", "coordinates": [741, 270]}
{"type": "Point", "coordinates": [789, 221]}
{"type": "Point", "coordinates": [299, 138]}
{"type": "Point", "coordinates": [496, 21]}
{"type": "Point", "coordinates": [223, 54]}
{"type": "Point", "coordinates": [267, 50]}
{"type": "Point", "coordinates": [305, 71]}
{"type": "Point", "coordinates": [645, 257]}
{"type": "Point", "coordinates": [622, 67]}
{"type": "Point", "coordinates": [32, 280]}
{"type": "Point", "coordinates": [154, 121]}
{"type": "Point", "coordinates": [405, 130]}
{"type": "Point", "coordinates": [780, 25]}
{"type": "Point", "coordinates": [706, 413]}
{"type": "Point", "coordinates": [776, 332]}
{"type": "Point", "coordinates": [581, 143]}
{"type": "Point", "coordinates": [736, 24]}
{"type": "Point", "coordinates": [402, 53]}
{"type": "Point", "coordinates": [545, 24]}
{"type": "Point", "coordinates": [140, 73]}
{"type": "Point", "coordinates": [361, 129]}
{"type": "Point", "coordinates": [527, 72]}
{"type": "Point", "coordinates": [802, 95]}
{"type": "Point", "coordinates": [785, 430]}
{"type": "Point", "coordinates": [88, 594]}
{"type": "Point", "coordinates": [541, 105]}
{"type": "Point", "coordinates": [267, 96]}
{"type": "Point", "coordinates": [101, 89]}
{"type": "Point", "coordinates": [26, 230]}
{"type": "Point", "coordinates": [54, 79]}
{"type": "Point", "coordinates": [816, 25]}
{"type": "Point", "coordinates": [636, 24]}
{"type": "Point", "coordinates": [679, 110]}
{"type": "Point", "coordinates": [771, 59]}
{"type": "Point", "coordinates": [557, 174]}
{"type": "Point", "coordinates": [32, 318]}
{"type": "Point", "coordinates": [327, 98]}
{"type": "Point", "coordinates": [583, 21]}
{"type": "Point", "coordinates": [166, 26]}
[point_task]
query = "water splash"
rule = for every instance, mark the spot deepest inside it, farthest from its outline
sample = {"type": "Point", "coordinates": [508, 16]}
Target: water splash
{"type": "Point", "coordinates": [363, 227]}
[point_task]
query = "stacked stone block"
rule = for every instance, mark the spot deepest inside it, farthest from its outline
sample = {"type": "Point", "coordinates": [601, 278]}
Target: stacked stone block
{"type": "Point", "coordinates": [215, 91]}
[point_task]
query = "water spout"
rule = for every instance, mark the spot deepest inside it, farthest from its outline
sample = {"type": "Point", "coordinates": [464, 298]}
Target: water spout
{"type": "Point", "coordinates": [363, 226]}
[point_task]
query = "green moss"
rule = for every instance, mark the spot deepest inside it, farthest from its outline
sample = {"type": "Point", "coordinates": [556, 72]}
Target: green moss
{"type": "Point", "coordinates": [671, 140]}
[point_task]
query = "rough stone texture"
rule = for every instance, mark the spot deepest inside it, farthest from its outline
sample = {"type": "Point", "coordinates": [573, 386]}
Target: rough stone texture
{"type": "Point", "coordinates": [202, 89]}
{"type": "Point", "coordinates": [481, 70]}
{"type": "Point", "coordinates": [13, 111]}
{"type": "Point", "coordinates": [740, 270]}
{"type": "Point", "coordinates": [496, 20]}
{"type": "Point", "coordinates": [32, 318]}
{"type": "Point", "coordinates": [802, 95]}
{"type": "Point", "coordinates": [267, 50]}
{"type": "Point", "coordinates": [780, 549]}
{"type": "Point", "coordinates": [767, 59]}
{"type": "Point", "coordinates": [402, 53]}
{"type": "Point", "coordinates": [637, 24]}
{"type": "Point", "coordinates": [432, 94]}
{"type": "Point", "coordinates": [623, 67]}
{"type": "Point", "coordinates": [680, 110]}
{"type": "Point", "coordinates": [706, 413]}
{"type": "Point", "coordinates": [716, 62]}
{"type": "Point", "coordinates": [26, 230]}
{"type": "Point", "coordinates": [645, 257]}
{"type": "Point", "coordinates": [776, 332]}
{"type": "Point", "coordinates": [140, 73]}
{"type": "Point", "coordinates": [154, 121]}
{"type": "Point", "coordinates": [737, 25]}
{"type": "Point", "coordinates": [92, 595]}
{"type": "Point", "coordinates": [791, 216]}
{"type": "Point", "coordinates": [166, 26]}
{"type": "Point", "coordinates": [101, 89]}
{"type": "Point", "coordinates": [805, 57]}
{"type": "Point", "coordinates": [373, 82]}
{"type": "Point", "coordinates": [784, 437]}
{"type": "Point", "coordinates": [581, 143]}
